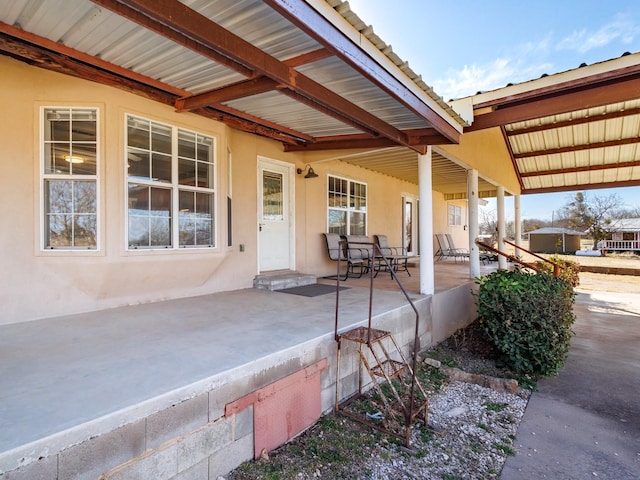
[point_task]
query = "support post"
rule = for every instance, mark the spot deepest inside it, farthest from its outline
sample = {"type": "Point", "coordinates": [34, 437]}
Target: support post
{"type": "Point", "coordinates": [502, 261]}
{"type": "Point", "coordinates": [472, 196]}
{"type": "Point", "coordinates": [425, 224]}
{"type": "Point", "coordinates": [517, 221]}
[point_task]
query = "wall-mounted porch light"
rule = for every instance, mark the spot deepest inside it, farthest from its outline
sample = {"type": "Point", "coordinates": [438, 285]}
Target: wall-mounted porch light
{"type": "Point", "coordinates": [310, 173]}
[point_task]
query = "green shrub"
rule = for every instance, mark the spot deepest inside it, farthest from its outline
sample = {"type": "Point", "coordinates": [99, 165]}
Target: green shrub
{"type": "Point", "coordinates": [527, 317]}
{"type": "Point", "coordinates": [570, 271]}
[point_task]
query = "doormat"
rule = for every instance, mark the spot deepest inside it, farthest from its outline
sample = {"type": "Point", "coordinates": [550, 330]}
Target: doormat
{"type": "Point", "coordinates": [313, 290]}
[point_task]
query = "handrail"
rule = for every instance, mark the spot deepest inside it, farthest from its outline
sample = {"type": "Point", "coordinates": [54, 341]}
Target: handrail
{"type": "Point", "coordinates": [508, 256]}
{"type": "Point", "coordinates": [532, 266]}
{"type": "Point", "coordinates": [556, 267]}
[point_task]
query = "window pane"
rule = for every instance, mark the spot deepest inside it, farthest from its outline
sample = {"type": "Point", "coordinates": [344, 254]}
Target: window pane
{"type": "Point", "coordinates": [186, 144]}
{"type": "Point", "coordinates": [138, 133]}
{"type": "Point", "coordinates": [85, 230]}
{"type": "Point", "coordinates": [149, 216]}
{"type": "Point", "coordinates": [357, 224]}
{"type": "Point", "coordinates": [205, 175]}
{"type": "Point", "coordinates": [272, 201]}
{"type": "Point", "coordinates": [59, 231]}
{"type": "Point", "coordinates": [70, 214]}
{"type": "Point", "coordinates": [161, 167]}
{"type": "Point", "coordinates": [138, 163]}
{"type": "Point", "coordinates": [196, 220]}
{"type": "Point", "coordinates": [82, 159]}
{"type": "Point", "coordinates": [186, 171]}
{"type": "Point", "coordinates": [160, 138]}
{"type": "Point", "coordinates": [84, 197]}
{"type": "Point", "coordinates": [338, 222]}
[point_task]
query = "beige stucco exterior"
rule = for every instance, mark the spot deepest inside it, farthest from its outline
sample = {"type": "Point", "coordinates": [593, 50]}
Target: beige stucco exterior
{"type": "Point", "coordinates": [485, 151]}
{"type": "Point", "coordinates": [42, 283]}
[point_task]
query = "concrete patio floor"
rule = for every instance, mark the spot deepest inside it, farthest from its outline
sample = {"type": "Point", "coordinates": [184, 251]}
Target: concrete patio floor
{"type": "Point", "coordinates": [61, 375]}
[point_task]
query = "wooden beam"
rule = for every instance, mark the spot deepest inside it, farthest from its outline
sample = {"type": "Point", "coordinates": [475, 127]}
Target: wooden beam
{"type": "Point", "coordinates": [245, 88]}
{"type": "Point", "coordinates": [177, 17]}
{"type": "Point", "coordinates": [622, 90]}
{"type": "Point", "coordinates": [342, 144]}
{"type": "Point", "coordinates": [573, 122]}
{"type": "Point", "coordinates": [305, 17]}
{"type": "Point", "coordinates": [516, 169]}
{"type": "Point", "coordinates": [180, 38]}
{"type": "Point", "coordinates": [225, 94]}
{"type": "Point", "coordinates": [40, 52]}
{"type": "Point", "coordinates": [578, 148]}
{"type": "Point", "coordinates": [584, 186]}
{"type": "Point", "coordinates": [418, 138]}
{"type": "Point", "coordinates": [586, 168]}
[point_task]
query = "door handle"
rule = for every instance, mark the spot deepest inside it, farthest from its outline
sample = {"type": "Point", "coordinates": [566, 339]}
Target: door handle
{"type": "Point", "coordinates": [260, 225]}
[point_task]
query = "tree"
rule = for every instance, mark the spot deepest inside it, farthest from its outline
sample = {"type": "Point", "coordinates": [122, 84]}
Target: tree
{"type": "Point", "coordinates": [593, 215]}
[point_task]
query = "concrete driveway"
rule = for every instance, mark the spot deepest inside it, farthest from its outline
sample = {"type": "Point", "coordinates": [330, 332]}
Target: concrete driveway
{"type": "Point", "coordinates": [585, 422]}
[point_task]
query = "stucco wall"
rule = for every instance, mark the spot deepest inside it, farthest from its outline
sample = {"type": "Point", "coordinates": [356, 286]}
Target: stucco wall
{"type": "Point", "coordinates": [44, 283]}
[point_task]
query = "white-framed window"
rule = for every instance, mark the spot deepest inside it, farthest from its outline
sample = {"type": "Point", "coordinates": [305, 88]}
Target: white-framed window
{"type": "Point", "coordinates": [69, 178]}
{"type": "Point", "coordinates": [455, 214]}
{"type": "Point", "coordinates": [170, 186]}
{"type": "Point", "coordinates": [347, 211]}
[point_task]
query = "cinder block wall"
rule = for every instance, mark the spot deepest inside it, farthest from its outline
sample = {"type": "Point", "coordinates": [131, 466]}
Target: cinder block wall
{"type": "Point", "coordinates": [192, 438]}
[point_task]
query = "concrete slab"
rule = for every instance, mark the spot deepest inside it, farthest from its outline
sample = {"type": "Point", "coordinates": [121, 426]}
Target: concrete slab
{"type": "Point", "coordinates": [60, 373]}
{"type": "Point", "coordinates": [585, 422]}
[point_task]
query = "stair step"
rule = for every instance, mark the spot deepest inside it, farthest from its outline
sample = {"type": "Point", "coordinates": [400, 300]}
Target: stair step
{"type": "Point", "coordinates": [282, 279]}
{"type": "Point", "coordinates": [389, 368]}
{"type": "Point", "coordinates": [361, 335]}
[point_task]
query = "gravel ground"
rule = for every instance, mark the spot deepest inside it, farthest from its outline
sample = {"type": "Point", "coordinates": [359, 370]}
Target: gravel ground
{"type": "Point", "coordinates": [474, 432]}
{"type": "Point", "coordinates": [470, 434]}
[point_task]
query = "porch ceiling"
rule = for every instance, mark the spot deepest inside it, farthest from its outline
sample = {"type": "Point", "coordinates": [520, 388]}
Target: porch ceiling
{"type": "Point", "coordinates": [575, 130]}
{"type": "Point", "coordinates": [311, 75]}
{"type": "Point", "coordinates": [301, 72]}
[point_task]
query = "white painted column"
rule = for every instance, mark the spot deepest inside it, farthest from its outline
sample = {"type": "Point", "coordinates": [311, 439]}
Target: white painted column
{"type": "Point", "coordinates": [425, 224]}
{"type": "Point", "coordinates": [502, 261]}
{"type": "Point", "coordinates": [472, 215]}
{"type": "Point", "coordinates": [517, 223]}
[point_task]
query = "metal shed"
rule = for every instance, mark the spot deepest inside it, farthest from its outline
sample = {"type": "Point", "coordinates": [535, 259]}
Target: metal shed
{"type": "Point", "coordinates": [554, 240]}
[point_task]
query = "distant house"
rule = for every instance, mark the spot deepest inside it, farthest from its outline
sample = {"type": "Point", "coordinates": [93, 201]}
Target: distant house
{"type": "Point", "coordinates": [554, 240]}
{"type": "Point", "coordinates": [625, 237]}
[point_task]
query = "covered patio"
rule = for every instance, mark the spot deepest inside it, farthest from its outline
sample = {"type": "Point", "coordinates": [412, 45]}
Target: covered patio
{"type": "Point", "coordinates": [66, 395]}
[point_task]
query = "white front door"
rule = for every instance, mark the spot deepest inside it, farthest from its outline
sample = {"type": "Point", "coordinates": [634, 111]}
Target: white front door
{"type": "Point", "coordinates": [275, 232]}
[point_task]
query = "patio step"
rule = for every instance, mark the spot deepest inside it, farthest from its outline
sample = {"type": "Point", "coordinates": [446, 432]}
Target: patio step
{"type": "Point", "coordinates": [282, 279]}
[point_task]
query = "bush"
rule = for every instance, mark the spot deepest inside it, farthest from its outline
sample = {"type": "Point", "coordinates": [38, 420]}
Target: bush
{"type": "Point", "coordinates": [527, 317]}
{"type": "Point", "coordinates": [570, 271]}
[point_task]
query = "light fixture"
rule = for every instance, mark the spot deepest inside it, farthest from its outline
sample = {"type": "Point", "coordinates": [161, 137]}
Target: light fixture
{"type": "Point", "coordinates": [73, 159]}
{"type": "Point", "coordinates": [310, 173]}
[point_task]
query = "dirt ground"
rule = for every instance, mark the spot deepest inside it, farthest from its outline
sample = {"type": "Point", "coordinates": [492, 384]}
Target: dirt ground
{"type": "Point", "coordinates": [609, 283]}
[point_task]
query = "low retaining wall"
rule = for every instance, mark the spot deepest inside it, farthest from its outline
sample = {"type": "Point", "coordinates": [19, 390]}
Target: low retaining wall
{"type": "Point", "coordinates": [208, 429]}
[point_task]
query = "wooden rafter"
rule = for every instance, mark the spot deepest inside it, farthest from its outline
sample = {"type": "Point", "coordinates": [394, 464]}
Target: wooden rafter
{"type": "Point", "coordinates": [578, 148]}
{"type": "Point", "coordinates": [586, 168]}
{"type": "Point", "coordinates": [418, 138]}
{"type": "Point", "coordinates": [584, 186]}
{"type": "Point", "coordinates": [301, 14]}
{"type": "Point", "coordinates": [56, 57]}
{"type": "Point", "coordinates": [573, 122]}
{"type": "Point", "coordinates": [245, 88]}
{"type": "Point", "coordinates": [172, 15]}
{"type": "Point", "coordinates": [613, 91]}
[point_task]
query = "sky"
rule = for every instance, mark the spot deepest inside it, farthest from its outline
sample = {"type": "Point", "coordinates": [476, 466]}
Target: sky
{"type": "Point", "coordinates": [465, 46]}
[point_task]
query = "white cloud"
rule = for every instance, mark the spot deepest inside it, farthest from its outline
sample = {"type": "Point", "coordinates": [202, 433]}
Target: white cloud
{"type": "Point", "coordinates": [490, 76]}
{"type": "Point", "coordinates": [583, 40]}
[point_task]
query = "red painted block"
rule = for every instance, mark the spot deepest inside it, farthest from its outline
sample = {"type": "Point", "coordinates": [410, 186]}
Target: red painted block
{"type": "Point", "coordinates": [284, 408]}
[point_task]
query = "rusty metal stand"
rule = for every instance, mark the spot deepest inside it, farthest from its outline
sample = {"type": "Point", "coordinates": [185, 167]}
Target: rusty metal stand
{"type": "Point", "coordinates": [399, 398]}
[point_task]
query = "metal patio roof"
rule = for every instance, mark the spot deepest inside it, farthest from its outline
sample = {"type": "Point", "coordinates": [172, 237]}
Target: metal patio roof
{"type": "Point", "coordinates": [575, 130]}
{"type": "Point", "coordinates": [313, 76]}
{"type": "Point", "coordinates": [295, 71]}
